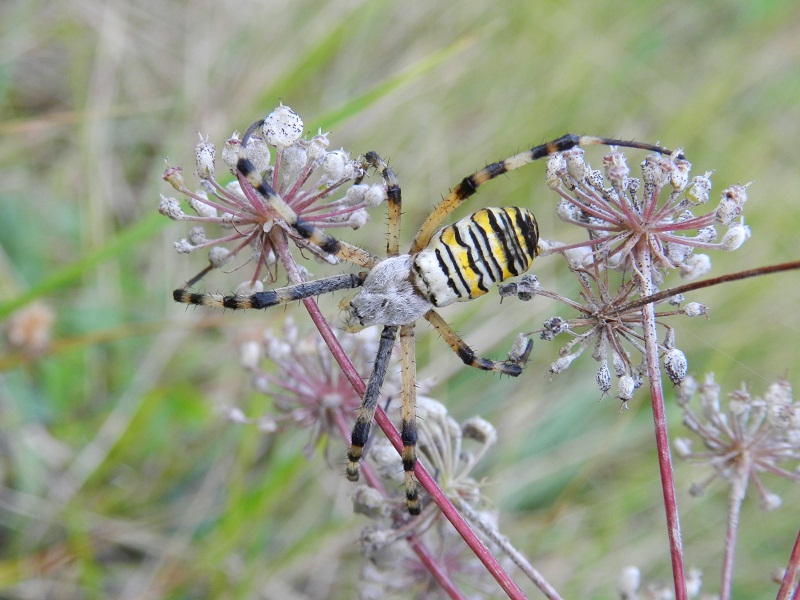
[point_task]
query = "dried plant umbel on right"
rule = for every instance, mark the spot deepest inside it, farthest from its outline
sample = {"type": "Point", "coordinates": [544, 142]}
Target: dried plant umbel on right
{"type": "Point", "coordinates": [743, 437]}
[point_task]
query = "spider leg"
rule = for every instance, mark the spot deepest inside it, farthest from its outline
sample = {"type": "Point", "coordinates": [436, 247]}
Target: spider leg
{"type": "Point", "coordinates": [470, 184]}
{"type": "Point", "coordinates": [366, 412]}
{"type": "Point", "coordinates": [394, 202]}
{"type": "Point", "coordinates": [408, 429]}
{"type": "Point", "coordinates": [512, 366]}
{"type": "Point", "coordinates": [269, 298]}
{"type": "Point", "coordinates": [250, 178]}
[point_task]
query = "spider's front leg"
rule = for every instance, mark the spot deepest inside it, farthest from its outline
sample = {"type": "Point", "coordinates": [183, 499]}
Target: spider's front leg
{"type": "Point", "coordinates": [269, 298]}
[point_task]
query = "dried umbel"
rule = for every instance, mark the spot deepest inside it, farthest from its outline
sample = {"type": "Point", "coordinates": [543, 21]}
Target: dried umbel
{"type": "Point", "coordinates": [742, 437]}
{"type": "Point", "coordinates": [638, 229]}
{"type": "Point", "coordinates": [321, 187]}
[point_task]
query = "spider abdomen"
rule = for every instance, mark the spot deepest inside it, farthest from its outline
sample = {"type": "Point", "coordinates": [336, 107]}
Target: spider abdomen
{"type": "Point", "coordinates": [465, 259]}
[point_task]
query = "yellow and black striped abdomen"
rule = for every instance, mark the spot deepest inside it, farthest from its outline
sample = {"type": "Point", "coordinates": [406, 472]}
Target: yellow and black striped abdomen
{"type": "Point", "coordinates": [465, 259]}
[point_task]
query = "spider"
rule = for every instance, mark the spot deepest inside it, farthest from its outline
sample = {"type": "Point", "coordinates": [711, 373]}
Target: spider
{"type": "Point", "coordinates": [458, 262]}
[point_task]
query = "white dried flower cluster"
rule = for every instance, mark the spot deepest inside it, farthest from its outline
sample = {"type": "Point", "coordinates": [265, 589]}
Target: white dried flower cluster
{"type": "Point", "coordinates": [323, 187]}
{"type": "Point", "coordinates": [633, 225]}
{"type": "Point", "coordinates": [743, 437]}
{"type": "Point", "coordinates": [618, 211]}
{"type": "Point", "coordinates": [452, 451]}
{"type": "Point", "coordinates": [306, 387]}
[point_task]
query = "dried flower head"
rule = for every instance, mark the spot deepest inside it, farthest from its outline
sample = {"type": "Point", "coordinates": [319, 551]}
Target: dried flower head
{"type": "Point", "coordinates": [452, 451]}
{"type": "Point", "coordinates": [640, 228]}
{"type": "Point", "coordinates": [747, 436]}
{"type": "Point", "coordinates": [307, 388]}
{"type": "Point", "coordinates": [304, 173]}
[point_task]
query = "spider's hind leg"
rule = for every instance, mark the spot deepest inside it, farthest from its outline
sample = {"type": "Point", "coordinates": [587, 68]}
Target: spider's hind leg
{"type": "Point", "coordinates": [513, 366]}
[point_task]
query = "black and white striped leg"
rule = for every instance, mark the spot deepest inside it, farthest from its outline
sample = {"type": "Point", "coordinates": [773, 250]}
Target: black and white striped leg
{"type": "Point", "coordinates": [366, 412]}
{"type": "Point", "coordinates": [269, 298]}
{"type": "Point", "coordinates": [470, 184]}
{"type": "Point", "coordinates": [512, 367]}
{"type": "Point", "coordinates": [408, 428]}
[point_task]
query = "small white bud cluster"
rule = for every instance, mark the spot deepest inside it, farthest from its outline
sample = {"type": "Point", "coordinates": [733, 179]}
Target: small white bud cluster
{"type": "Point", "coordinates": [170, 207]}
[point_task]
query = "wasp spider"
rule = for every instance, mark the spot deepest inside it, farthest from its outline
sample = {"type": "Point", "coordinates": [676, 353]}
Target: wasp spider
{"type": "Point", "coordinates": [459, 262]}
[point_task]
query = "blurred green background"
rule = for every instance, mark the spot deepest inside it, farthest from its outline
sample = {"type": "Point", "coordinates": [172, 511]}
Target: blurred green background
{"type": "Point", "coordinates": [121, 478]}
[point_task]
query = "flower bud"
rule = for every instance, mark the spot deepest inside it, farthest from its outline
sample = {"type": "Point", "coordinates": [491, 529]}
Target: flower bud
{"type": "Point", "coordinates": [675, 365]}
{"type": "Point", "coordinates": [204, 153]}
{"type": "Point", "coordinates": [283, 127]}
{"type": "Point", "coordinates": [170, 207]}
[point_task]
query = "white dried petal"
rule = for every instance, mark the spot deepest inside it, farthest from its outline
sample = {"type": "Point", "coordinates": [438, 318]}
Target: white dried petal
{"type": "Point", "coordinates": [695, 309]}
{"type": "Point", "coordinates": [183, 247]}
{"type": "Point", "coordinates": [556, 168]}
{"type": "Point", "coordinates": [603, 378]}
{"type": "Point", "coordinates": [235, 415]}
{"type": "Point", "coordinates": [248, 287]}
{"type": "Point", "coordinates": [250, 355]}
{"type": "Point", "coordinates": [283, 127]}
{"type": "Point", "coordinates": [694, 582]}
{"type": "Point", "coordinates": [683, 447]}
{"type": "Point", "coordinates": [617, 170]}
{"type": "Point", "coordinates": [696, 266]}
{"type": "Point", "coordinates": [706, 235]}
{"type": "Point", "coordinates": [218, 256]}
{"type": "Point", "coordinates": [369, 502]}
{"type": "Point", "coordinates": [779, 392]}
{"type": "Point", "coordinates": [680, 176]}
{"type": "Point", "coordinates": [317, 146]}
{"type": "Point", "coordinates": [170, 207]}
{"type": "Point", "coordinates": [562, 363]}
{"type": "Point", "coordinates": [230, 151]}
{"type": "Point", "coordinates": [576, 165]}
{"type": "Point", "coordinates": [333, 165]}
{"type": "Point", "coordinates": [699, 188]}
{"type": "Point", "coordinates": [294, 159]}
{"type": "Point", "coordinates": [257, 151]}
{"type": "Point", "coordinates": [357, 219]}
{"type": "Point", "coordinates": [657, 170]}
{"type": "Point", "coordinates": [197, 236]}
{"type": "Point", "coordinates": [737, 234]}
{"type": "Point", "coordinates": [375, 195]}
{"type": "Point", "coordinates": [628, 582]}
{"type": "Point", "coordinates": [204, 153]}
{"type": "Point", "coordinates": [356, 194]}
{"type": "Point", "coordinates": [567, 211]}
{"type": "Point", "coordinates": [676, 365]}
{"type": "Point", "coordinates": [770, 501]}
{"type": "Point", "coordinates": [201, 208]}
{"type": "Point", "coordinates": [625, 387]}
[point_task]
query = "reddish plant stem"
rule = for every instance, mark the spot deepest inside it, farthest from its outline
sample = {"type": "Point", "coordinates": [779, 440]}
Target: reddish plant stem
{"type": "Point", "coordinates": [281, 246]}
{"type": "Point", "coordinates": [696, 285]}
{"type": "Point", "coordinates": [789, 587]}
{"type": "Point", "coordinates": [644, 267]}
{"type": "Point", "coordinates": [425, 480]}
